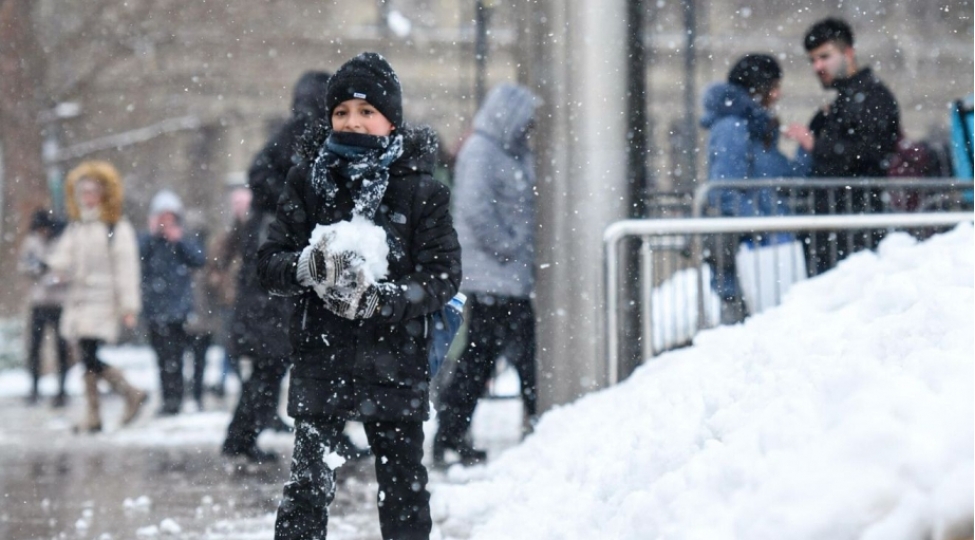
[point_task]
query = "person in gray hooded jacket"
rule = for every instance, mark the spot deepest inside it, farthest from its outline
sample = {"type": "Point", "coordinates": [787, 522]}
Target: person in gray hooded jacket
{"type": "Point", "coordinates": [494, 208]}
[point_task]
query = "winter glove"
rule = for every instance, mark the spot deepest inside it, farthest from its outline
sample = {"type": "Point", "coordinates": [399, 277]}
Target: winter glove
{"type": "Point", "coordinates": [328, 268]}
{"type": "Point", "coordinates": [318, 266]}
{"type": "Point", "coordinates": [353, 298]}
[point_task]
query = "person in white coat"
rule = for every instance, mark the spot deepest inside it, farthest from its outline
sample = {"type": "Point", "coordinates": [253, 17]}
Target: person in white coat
{"type": "Point", "coordinates": [98, 258]}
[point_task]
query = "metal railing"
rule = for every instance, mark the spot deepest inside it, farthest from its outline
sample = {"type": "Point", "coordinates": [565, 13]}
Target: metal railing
{"type": "Point", "coordinates": [685, 234]}
{"type": "Point", "coordinates": [836, 195]}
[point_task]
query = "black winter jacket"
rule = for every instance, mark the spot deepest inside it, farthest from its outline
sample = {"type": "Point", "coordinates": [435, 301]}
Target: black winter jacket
{"type": "Point", "coordinates": [260, 320]}
{"type": "Point", "coordinates": [374, 369]}
{"type": "Point", "coordinates": [859, 132]}
{"type": "Point", "coordinates": [259, 327]}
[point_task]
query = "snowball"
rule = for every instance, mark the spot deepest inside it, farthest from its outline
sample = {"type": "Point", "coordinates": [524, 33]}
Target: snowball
{"type": "Point", "coordinates": [362, 237]}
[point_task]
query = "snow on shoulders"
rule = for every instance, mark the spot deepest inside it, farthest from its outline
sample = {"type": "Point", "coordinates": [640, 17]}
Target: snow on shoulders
{"type": "Point", "coordinates": [846, 412]}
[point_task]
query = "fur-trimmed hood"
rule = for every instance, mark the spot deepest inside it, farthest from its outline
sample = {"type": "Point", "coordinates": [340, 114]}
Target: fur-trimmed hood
{"type": "Point", "coordinates": [108, 177]}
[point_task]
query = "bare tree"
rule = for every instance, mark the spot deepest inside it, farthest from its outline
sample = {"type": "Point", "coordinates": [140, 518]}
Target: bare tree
{"type": "Point", "coordinates": [50, 53]}
{"type": "Point", "coordinates": [24, 181]}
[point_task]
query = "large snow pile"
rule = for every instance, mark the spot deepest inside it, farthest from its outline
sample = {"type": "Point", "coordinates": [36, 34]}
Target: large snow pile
{"type": "Point", "coordinates": [845, 413]}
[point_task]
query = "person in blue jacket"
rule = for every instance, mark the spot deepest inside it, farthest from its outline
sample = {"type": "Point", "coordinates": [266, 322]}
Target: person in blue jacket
{"type": "Point", "coordinates": [743, 144]}
{"type": "Point", "coordinates": [168, 258]}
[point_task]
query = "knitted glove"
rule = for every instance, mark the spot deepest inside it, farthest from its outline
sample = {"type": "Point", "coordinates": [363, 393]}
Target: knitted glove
{"type": "Point", "coordinates": [328, 268]}
{"type": "Point", "coordinates": [318, 266]}
{"type": "Point", "coordinates": [353, 298]}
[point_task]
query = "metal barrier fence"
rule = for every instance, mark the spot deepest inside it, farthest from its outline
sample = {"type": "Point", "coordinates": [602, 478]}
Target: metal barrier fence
{"type": "Point", "coordinates": [669, 204]}
{"type": "Point", "coordinates": [800, 196]}
{"type": "Point", "coordinates": [682, 238]}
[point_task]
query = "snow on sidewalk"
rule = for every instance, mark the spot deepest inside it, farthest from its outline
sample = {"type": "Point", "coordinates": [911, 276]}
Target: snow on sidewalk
{"type": "Point", "coordinates": [847, 412]}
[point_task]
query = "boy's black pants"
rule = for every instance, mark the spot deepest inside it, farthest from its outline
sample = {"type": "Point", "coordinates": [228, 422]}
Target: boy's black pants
{"type": "Point", "coordinates": [499, 324]}
{"type": "Point", "coordinates": [404, 502]}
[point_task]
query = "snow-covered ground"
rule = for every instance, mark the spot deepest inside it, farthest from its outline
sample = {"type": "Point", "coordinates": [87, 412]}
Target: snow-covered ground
{"type": "Point", "coordinates": [847, 412]}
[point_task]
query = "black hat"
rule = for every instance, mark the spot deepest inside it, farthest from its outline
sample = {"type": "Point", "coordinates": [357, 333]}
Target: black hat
{"type": "Point", "coordinates": [309, 94]}
{"type": "Point", "coordinates": [43, 219]}
{"type": "Point", "coordinates": [756, 73]}
{"type": "Point", "coordinates": [370, 77]}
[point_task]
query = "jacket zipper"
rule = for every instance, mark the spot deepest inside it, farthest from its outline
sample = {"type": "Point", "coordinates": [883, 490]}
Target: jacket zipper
{"type": "Point", "coordinates": [304, 316]}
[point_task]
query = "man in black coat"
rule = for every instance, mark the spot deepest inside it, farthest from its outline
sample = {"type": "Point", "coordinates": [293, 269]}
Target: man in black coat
{"type": "Point", "coordinates": [259, 329]}
{"type": "Point", "coordinates": [853, 137]}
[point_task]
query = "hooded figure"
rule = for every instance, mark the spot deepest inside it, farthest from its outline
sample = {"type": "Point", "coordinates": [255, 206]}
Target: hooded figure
{"type": "Point", "coordinates": [494, 201]}
{"type": "Point", "coordinates": [744, 137]}
{"type": "Point", "coordinates": [743, 145]}
{"type": "Point", "coordinates": [259, 324]}
{"type": "Point", "coordinates": [494, 196]}
{"type": "Point", "coordinates": [271, 165]}
{"type": "Point", "coordinates": [97, 256]}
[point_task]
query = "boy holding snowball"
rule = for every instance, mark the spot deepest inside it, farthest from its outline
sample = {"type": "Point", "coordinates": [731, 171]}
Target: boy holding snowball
{"type": "Point", "coordinates": [364, 238]}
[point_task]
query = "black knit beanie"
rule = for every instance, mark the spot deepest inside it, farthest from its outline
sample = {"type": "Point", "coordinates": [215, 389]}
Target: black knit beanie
{"type": "Point", "coordinates": [755, 73]}
{"type": "Point", "coordinates": [370, 77]}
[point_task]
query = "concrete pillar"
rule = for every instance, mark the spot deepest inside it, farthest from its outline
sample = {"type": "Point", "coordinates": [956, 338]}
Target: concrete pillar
{"type": "Point", "coordinates": [577, 64]}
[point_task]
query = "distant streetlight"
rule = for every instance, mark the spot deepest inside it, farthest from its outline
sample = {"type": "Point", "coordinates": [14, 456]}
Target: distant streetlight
{"type": "Point", "coordinates": [51, 148]}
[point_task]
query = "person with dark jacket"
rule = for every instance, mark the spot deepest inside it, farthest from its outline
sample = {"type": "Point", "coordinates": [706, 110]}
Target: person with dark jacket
{"type": "Point", "coordinates": [361, 324]}
{"type": "Point", "coordinates": [46, 300]}
{"type": "Point", "coordinates": [203, 322]}
{"type": "Point", "coordinates": [224, 259]}
{"type": "Point", "coordinates": [853, 137]}
{"type": "Point", "coordinates": [259, 327]}
{"type": "Point", "coordinates": [495, 207]}
{"type": "Point", "coordinates": [168, 259]}
{"type": "Point", "coordinates": [743, 143]}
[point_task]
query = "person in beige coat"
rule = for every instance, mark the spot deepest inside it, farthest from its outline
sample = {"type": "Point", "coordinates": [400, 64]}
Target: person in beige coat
{"type": "Point", "coordinates": [98, 257]}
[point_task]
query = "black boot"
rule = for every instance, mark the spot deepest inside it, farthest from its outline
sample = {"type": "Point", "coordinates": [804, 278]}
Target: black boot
{"type": "Point", "coordinates": [251, 453]}
{"type": "Point", "coordinates": [59, 400]}
{"type": "Point", "coordinates": [465, 451]}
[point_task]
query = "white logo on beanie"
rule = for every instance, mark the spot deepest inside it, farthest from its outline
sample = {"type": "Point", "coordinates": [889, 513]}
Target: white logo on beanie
{"type": "Point", "coordinates": [357, 95]}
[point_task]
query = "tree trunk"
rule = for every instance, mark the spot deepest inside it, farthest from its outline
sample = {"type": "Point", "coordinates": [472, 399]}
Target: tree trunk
{"type": "Point", "coordinates": [23, 177]}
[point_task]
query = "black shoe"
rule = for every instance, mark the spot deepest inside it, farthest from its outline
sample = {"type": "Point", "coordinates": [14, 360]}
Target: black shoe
{"type": "Point", "coordinates": [253, 454]}
{"type": "Point", "coordinates": [217, 390]}
{"type": "Point", "coordinates": [278, 424]}
{"type": "Point", "coordinates": [167, 411]}
{"type": "Point", "coordinates": [465, 451]}
{"type": "Point", "coordinates": [59, 401]}
{"type": "Point", "coordinates": [348, 450]}
{"type": "Point", "coordinates": [31, 399]}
